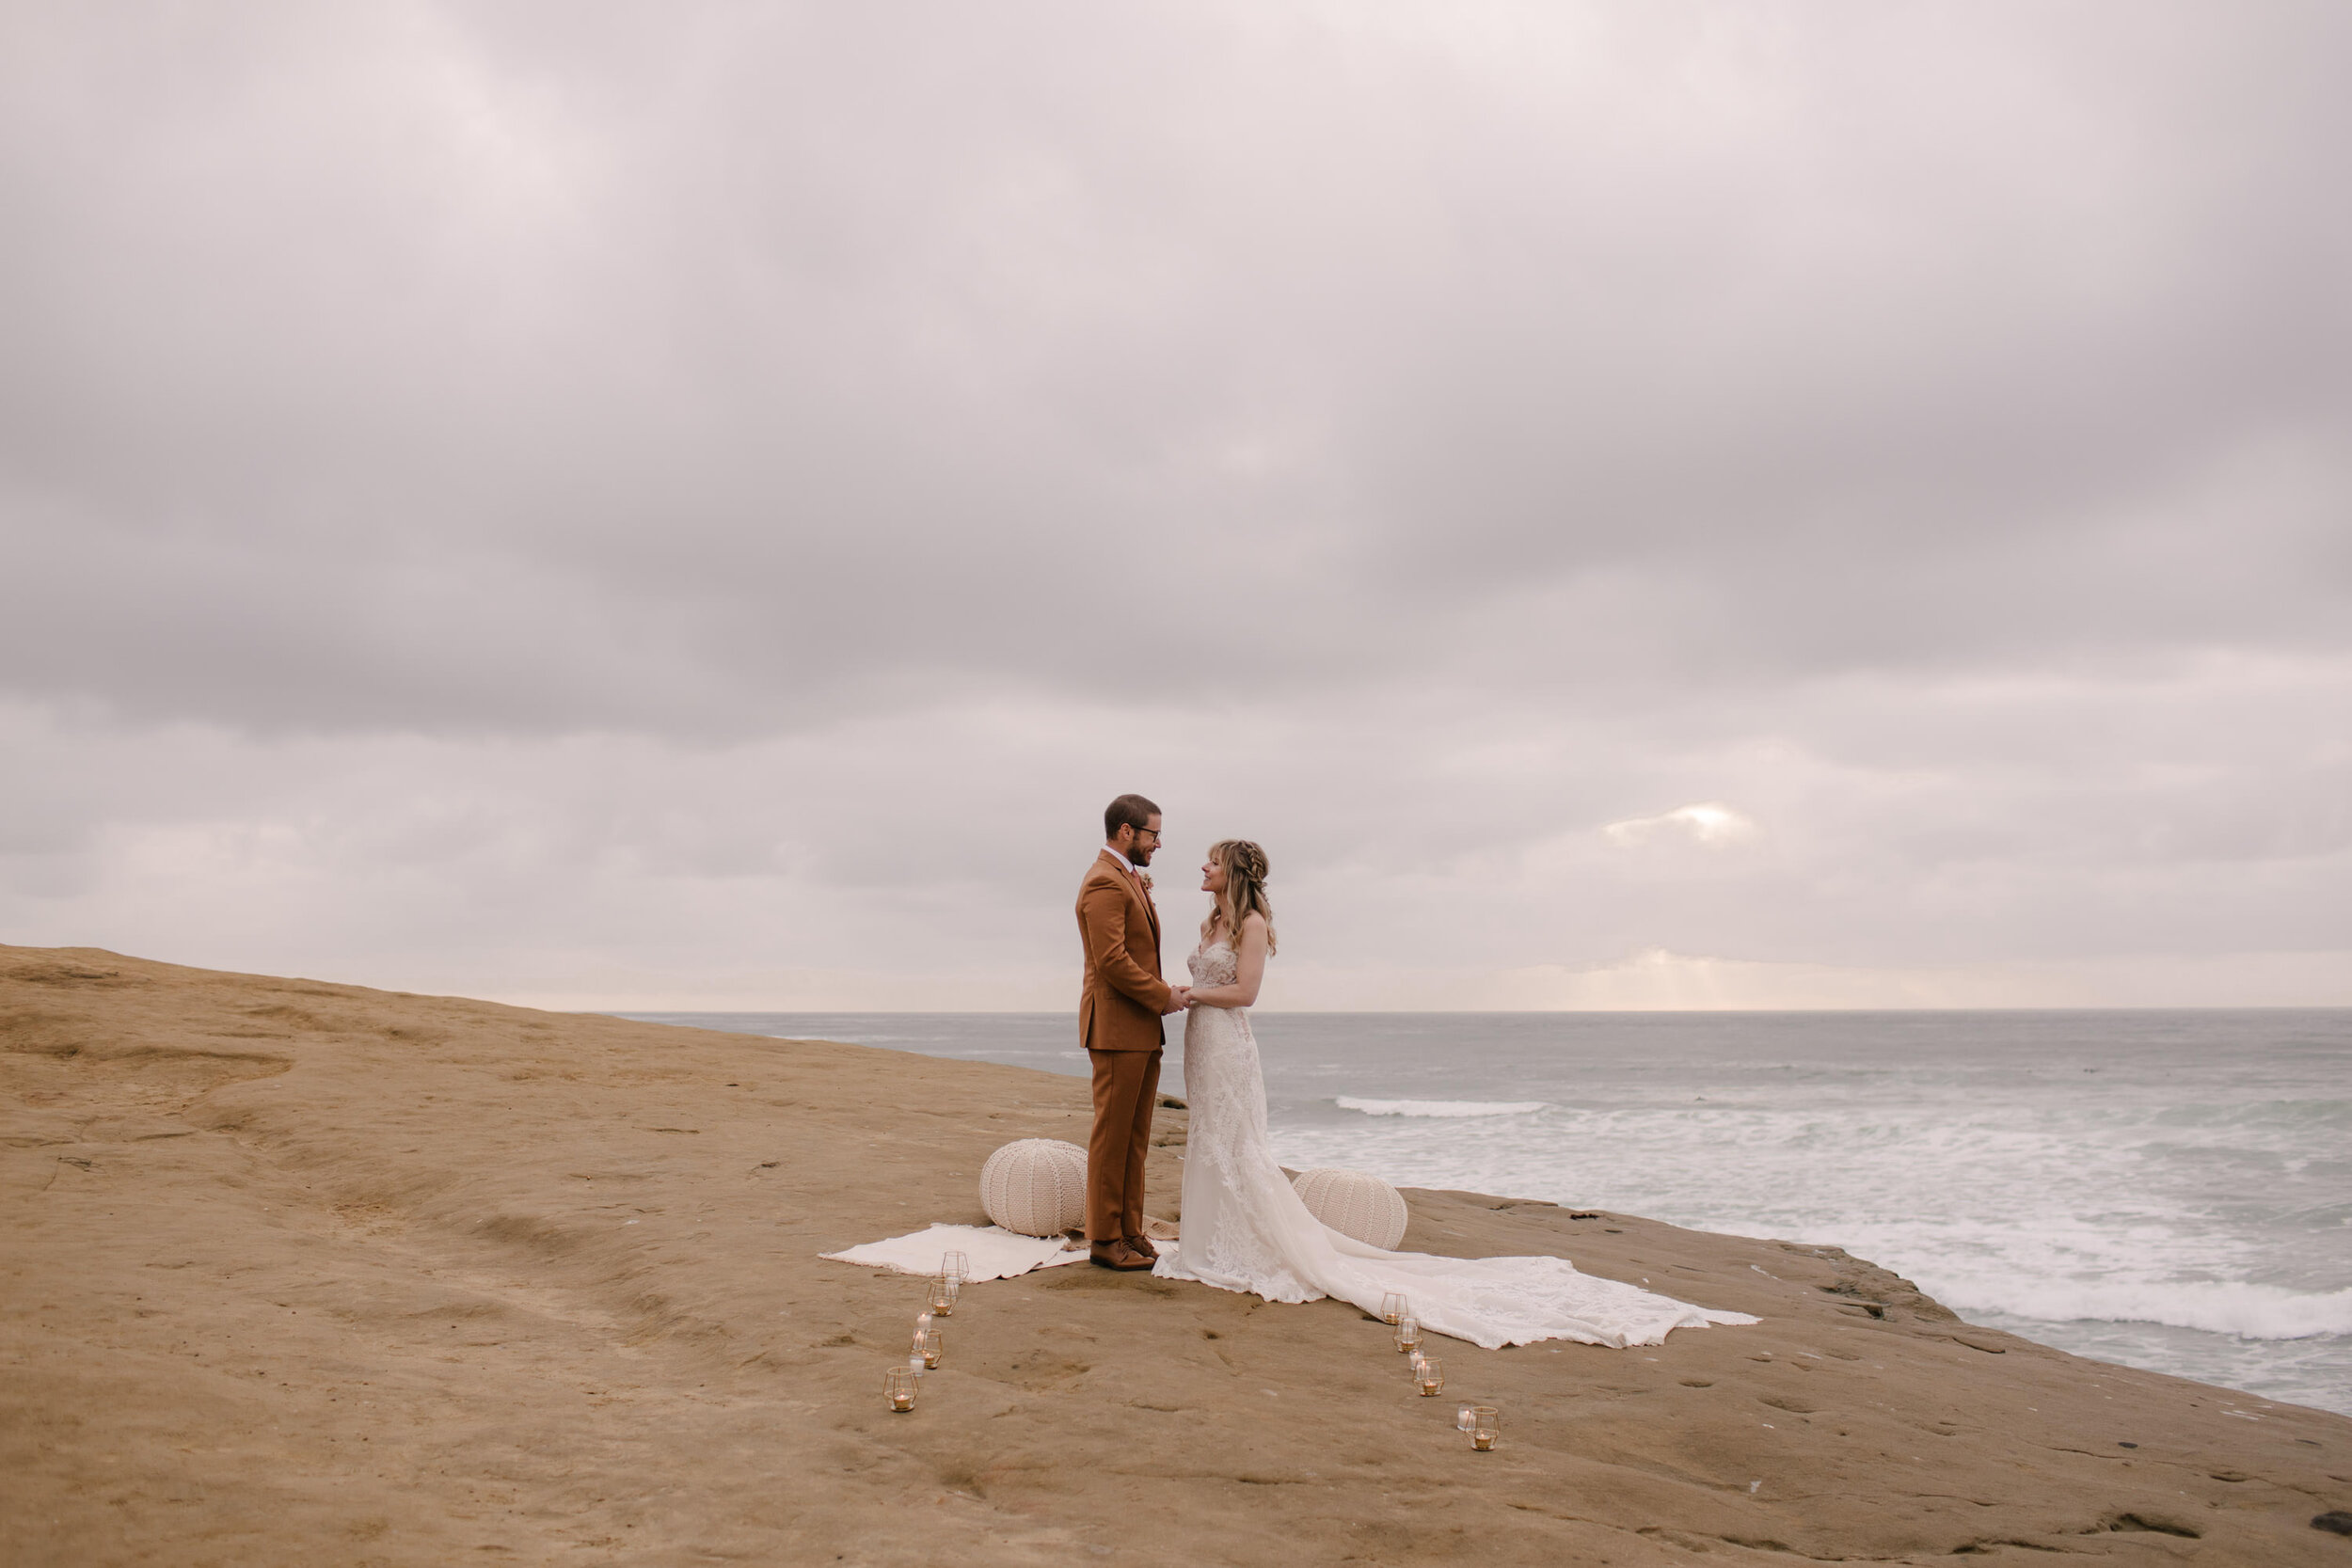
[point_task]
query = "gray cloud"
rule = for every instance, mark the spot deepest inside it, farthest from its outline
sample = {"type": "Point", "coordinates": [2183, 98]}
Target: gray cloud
{"type": "Point", "coordinates": [565, 462]}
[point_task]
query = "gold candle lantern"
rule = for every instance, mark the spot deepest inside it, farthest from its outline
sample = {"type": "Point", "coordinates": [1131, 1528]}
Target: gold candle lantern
{"type": "Point", "coordinates": [1430, 1377]}
{"type": "Point", "coordinates": [928, 1345]}
{"type": "Point", "coordinates": [1485, 1419]}
{"type": "Point", "coordinates": [1393, 1306]}
{"type": "Point", "coordinates": [1407, 1334]}
{"type": "Point", "coordinates": [954, 1267]}
{"type": "Point", "coordinates": [898, 1389]}
{"type": "Point", "coordinates": [943, 1298]}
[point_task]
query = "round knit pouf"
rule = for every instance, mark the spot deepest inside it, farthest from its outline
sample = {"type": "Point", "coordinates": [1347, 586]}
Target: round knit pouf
{"type": "Point", "coordinates": [1037, 1186]}
{"type": "Point", "coordinates": [1355, 1205]}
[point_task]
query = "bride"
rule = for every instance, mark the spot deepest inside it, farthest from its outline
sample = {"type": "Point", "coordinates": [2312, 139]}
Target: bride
{"type": "Point", "coordinates": [1244, 1228]}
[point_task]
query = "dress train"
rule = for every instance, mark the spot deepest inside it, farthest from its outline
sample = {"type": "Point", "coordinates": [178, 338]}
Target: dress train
{"type": "Point", "coordinates": [1245, 1228]}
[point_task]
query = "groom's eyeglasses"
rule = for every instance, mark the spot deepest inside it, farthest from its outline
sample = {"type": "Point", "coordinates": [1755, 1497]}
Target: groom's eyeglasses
{"type": "Point", "coordinates": [1151, 833]}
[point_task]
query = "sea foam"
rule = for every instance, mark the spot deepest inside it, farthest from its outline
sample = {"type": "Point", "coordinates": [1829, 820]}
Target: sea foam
{"type": "Point", "coordinates": [1440, 1107]}
{"type": "Point", "coordinates": [2247, 1311]}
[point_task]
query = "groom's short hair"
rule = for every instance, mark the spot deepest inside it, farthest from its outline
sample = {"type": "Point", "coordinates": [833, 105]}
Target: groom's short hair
{"type": "Point", "coordinates": [1129, 811]}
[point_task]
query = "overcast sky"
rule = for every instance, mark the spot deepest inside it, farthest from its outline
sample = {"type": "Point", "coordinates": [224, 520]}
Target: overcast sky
{"type": "Point", "coordinates": [1633, 504]}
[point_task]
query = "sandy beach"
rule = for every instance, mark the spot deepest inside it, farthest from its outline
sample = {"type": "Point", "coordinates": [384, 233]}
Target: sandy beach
{"type": "Point", "coordinates": [302, 1273]}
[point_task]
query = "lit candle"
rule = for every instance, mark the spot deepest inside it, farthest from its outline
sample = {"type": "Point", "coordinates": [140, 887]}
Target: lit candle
{"type": "Point", "coordinates": [1407, 1334]}
{"type": "Point", "coordinates": [1465, 1418]}
{"type": "Point", "coordinates": [1431, 1377]}
{"type": "Point", "coordinates": [1393, 1306]}
{"type": "Point", "coordinates": [927, 1346]}
{"type": "Point", "coordinates": [1485, 1418]}
{"type": "Point", "coordinates": [898, 1387]}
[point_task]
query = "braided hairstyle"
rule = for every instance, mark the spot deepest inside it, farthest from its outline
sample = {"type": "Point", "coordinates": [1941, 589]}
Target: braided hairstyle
{"type": "Point", "coordinates": [1245, 889]}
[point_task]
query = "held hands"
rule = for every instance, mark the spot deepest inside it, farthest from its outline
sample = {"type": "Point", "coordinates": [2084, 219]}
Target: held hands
{"type": "Point", "coordinates": [1179, 998]}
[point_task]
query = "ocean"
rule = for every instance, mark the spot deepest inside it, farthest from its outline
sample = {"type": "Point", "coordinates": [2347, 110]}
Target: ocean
{"type": "Point", "coordinates": [2167, 1190]}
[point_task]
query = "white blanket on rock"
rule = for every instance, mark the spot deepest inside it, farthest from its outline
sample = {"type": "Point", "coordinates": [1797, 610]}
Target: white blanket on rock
{"type": "Point", "coordinates": [993, 1253]}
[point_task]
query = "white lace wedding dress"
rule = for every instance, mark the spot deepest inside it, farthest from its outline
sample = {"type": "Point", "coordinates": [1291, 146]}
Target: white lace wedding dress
{"type": "Point", "coordinates": [1244, 1228]}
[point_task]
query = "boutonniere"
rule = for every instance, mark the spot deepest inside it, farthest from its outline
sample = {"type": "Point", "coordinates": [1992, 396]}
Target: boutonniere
{"type": "Point", "coordinates": [1145, 877]}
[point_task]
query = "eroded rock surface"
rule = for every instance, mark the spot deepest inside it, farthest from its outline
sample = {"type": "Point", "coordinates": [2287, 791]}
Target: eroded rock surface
{"type": "Point", "coordinates": [301, 1274]}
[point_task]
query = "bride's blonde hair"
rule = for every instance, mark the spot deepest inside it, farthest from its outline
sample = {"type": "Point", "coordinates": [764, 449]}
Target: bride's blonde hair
{"type": "Point", "coordinates": [1245, 889]}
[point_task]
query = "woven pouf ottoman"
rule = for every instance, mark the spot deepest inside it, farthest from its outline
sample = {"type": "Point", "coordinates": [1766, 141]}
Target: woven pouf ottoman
{"type": "Point", "coordinates": [1036, 1186]}
{"type": "Point", "coordinates": [1356, 1204]}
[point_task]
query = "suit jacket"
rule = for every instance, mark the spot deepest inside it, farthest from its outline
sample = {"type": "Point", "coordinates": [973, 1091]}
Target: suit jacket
{"type": "Point", "coordinates": [1122, 997]}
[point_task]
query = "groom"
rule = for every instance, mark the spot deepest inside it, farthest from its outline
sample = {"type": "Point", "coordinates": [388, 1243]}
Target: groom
{"type": "Point", "coordinates": [1119, 1007]}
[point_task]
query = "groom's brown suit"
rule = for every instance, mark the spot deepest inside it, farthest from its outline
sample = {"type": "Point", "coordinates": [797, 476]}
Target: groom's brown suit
{"type": "Point", "coordinates": [1118, 1020]}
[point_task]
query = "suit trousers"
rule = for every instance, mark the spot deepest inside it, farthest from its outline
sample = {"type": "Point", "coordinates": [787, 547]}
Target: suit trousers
{"type": "Point", "coordinates": [1126, 1088]}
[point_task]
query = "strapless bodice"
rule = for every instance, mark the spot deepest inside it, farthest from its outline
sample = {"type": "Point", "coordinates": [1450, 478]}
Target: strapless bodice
{"type": "Point", "coordinates": [1214, 964]}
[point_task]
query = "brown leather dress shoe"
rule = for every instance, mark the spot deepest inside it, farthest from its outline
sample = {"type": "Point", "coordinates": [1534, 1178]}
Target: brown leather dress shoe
{"type": "Point", "coordinates": [1114, 1254]}
{"type": "Point", "coordinates": [1142, 1248]}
